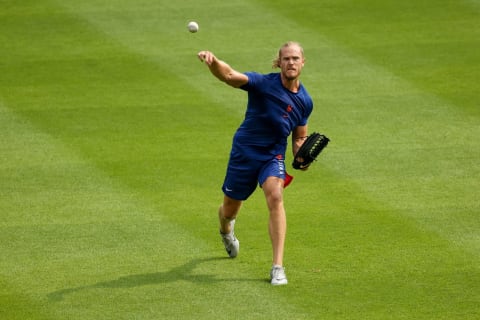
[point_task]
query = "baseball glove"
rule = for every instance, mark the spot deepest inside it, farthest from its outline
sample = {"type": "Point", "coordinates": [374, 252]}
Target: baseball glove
{"type": "Point", "coordinates": [309, 151]}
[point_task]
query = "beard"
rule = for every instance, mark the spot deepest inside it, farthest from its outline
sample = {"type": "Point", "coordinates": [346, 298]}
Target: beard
{"type": "Point", "coordinates": [291, 74]}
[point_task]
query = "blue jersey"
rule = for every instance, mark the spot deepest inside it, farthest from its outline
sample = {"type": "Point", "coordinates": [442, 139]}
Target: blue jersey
{"type": "Point", "coordinates": [272, 113]}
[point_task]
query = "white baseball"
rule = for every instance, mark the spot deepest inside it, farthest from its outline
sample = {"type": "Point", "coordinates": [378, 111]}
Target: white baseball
{"type": "Point", "coordinates": [192, 26]}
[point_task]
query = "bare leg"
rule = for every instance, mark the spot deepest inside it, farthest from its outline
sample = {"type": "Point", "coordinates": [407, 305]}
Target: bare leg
{"type": "Point", "coordinates": [227, 212]}
{"type": "Point", "coordinates": [273, 190]}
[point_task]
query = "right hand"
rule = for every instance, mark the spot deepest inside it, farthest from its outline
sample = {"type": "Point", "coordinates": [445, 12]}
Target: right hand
{"type": "Point", "coordinates": [207, 57]}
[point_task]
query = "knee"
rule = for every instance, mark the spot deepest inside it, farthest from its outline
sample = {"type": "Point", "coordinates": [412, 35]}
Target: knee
{"type": "Point", "coordinates": [275, 199]}
{"type": "Point", "coordinates": [229, 208]}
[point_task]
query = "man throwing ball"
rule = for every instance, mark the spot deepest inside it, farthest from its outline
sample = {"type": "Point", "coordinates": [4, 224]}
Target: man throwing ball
{"type": "Point", "coordinates": [278, 105]}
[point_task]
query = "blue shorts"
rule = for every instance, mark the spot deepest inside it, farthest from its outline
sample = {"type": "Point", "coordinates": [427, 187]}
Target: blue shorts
{"type": "Point", "coordinates": [243, 174]}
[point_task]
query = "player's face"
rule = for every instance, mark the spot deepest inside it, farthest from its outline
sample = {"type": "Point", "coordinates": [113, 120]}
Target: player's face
{"type": "Point", "coordinates": [291, 62]}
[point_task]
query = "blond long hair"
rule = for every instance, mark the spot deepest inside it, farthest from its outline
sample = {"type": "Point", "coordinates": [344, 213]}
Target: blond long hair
{"type": "Point", "coordinates": [276, 60]}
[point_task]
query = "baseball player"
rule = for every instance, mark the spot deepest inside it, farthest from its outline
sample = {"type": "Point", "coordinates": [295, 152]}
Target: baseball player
{"type": "Point", "coordinates": [278, 106]}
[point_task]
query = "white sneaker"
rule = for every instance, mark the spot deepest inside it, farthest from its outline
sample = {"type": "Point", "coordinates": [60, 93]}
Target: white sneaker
{"type": "Point", "coordinates": [231, 243]}
{"type": "Point", "coordinates": [277, 274]}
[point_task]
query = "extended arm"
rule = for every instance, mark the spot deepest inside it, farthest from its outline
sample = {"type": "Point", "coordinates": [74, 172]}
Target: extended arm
{"type": "Point", "coordinates": [222, 70]}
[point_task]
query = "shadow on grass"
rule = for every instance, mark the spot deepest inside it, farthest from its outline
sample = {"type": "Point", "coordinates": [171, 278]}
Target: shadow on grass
{"type": "Point", "coordinates": [183, 272]}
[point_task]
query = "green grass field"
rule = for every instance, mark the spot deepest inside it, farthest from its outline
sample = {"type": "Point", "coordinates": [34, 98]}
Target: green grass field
{"type": "Point", "coordinates": [114, 140]}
